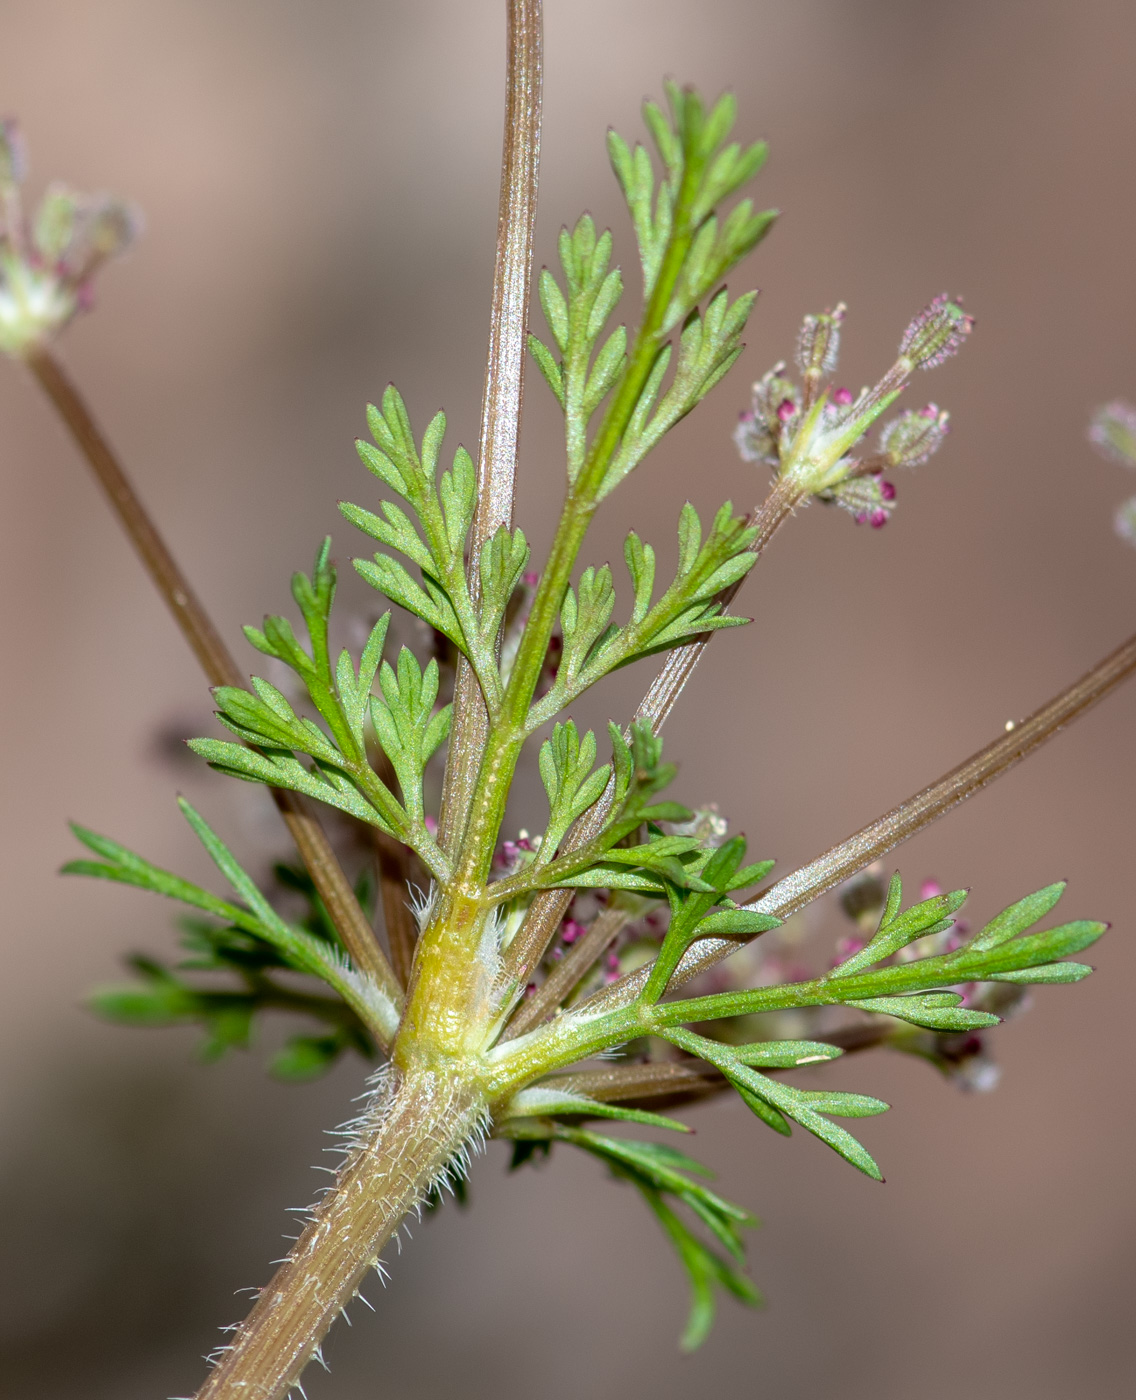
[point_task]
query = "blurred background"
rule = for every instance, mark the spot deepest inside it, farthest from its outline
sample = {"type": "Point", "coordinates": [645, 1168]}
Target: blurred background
{"type": "Point", "coordinates": [320, 185]}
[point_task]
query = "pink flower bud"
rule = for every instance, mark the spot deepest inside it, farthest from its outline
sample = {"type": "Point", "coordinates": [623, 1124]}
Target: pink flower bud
{"type": "Point", "coordinates": [914, 436]}
{"type": "Point", "coordinates": [571, 930]}
{"type": "Point", "coordinates": [842, 397]}
{"type": "Point", "coordinates": [935, 334]}
{"type": "Point", "coordinates": [869, 499]}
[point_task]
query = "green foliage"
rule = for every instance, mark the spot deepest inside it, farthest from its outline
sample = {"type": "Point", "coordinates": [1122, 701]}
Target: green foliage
{"type": "Point", "coordinates": [545, 1101]}
{"type": "Point", "coordinates": [407, 726]}
{"type": "Point", "coordinates": [897, 930]}
{"type": "Point", "coordinates": [251, 941]}
{"type": "Point", "coordinates": [1000, 952]}
{"type": "Point", "coordinates": [663, 1178]}
{"type": "Point", "coordinates": [775, 1103]}
{"type": "Point", "coordinates": [708, 346]}
{"type": "Point", "coordinates": [241, 954]}
{"type": "Point", "coordinates": [566, 771]}
{"type": "Point", "coordinates": [917, 991]}
{"type": "Point", "coordinates": [690, 607]}
{"type": "Point", "coordinates": [402, 717]}
{"type": "Point", "coordinates": [435, 539]}
{"type": "Point", "coordinates": [700, 172]}
{"type": "Point", "coordinates": [684, 253]}
{"type": "Point", "coordinates": [577, 321]}
{"type": "Point", "coordinates": [691, 916]}
{"type": "Point", "coordinates": [635, 775]}
{"type": "Point", "coordinates": [228, 978]}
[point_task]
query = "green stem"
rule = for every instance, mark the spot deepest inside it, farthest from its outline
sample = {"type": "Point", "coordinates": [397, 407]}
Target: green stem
{"type": "Point", "coordinates": [506, 738]}
{"type": "Point", "coordinates": [549, 907]}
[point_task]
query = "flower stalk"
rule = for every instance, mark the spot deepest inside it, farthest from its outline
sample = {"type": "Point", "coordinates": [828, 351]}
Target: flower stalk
{"type": "Point", "coordinates": [220, 669]}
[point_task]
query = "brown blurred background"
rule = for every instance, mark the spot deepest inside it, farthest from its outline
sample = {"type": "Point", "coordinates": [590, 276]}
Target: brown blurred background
{"type": "Point", "coordinates": [320, 182]}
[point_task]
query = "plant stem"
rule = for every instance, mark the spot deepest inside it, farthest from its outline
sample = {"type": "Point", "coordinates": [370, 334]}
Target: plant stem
{"type": "Point", "coordinates": [549, 907]}
{"type": "Point", "coordinates": [676, 670]}
{"type": "Point", "coordinates": [902, 822]}
{"type": "Point", "coordinates": [504, 380]}
{"type": "Point", "coordinates": [565, 975]}
{"type": "Point", "coordinates": [682, 1082]}
{"type": "Point", "coordinates": [394, 862]}
{"type": "Point", "coordinates": [405, 1146]}
{"type": "Point", "coordinates": [217, 663]}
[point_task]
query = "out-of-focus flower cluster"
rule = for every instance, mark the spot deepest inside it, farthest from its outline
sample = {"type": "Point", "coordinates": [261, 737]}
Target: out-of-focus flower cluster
{"type": "Point", "coordinates": [1112, 431]}
{"type": "Point", "coordinates": [815, 435]}
{"type": "Point", "coordinates": [48, 263]}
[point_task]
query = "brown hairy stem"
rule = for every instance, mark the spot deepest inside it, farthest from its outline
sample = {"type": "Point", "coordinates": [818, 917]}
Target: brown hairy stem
{"type": "Point", "coordinates": [549, 907]}
{"type": "Point", "coordinates": [216, 661]}
{"type": "Point", "coordinates": [504, 381]}
{"type": "Point", "coordinates": [902, 822]}
{"type": "Point", "coordinates": [405, 1145]}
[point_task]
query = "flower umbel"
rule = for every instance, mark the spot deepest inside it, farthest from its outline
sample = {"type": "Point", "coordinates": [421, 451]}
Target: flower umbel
{"type": "Point", "coordinates": [813, 436]}
{"type": "Point", "coordinates": [47, 268]}
{"type": "Point", "coordinates": [1112, 431]}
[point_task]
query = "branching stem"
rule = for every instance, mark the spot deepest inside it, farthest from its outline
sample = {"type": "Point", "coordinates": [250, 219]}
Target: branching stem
{"type": "Point", "coordinates": [216, 661]}
{"type": "Point", "coordinates": [577, 963]}
{"type": "Point", "coordinates": [549, 907]}
{"type": "Point", "coordinates": [902, 822]}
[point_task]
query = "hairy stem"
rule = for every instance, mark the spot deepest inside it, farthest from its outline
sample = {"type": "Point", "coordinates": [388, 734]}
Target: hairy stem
{"type": "Point", "coordinates": [902, 822]}
{"type": "Point", "coordinates": [216, 661]}
{"type": "Point", "coordinates": [504, 380]}
{"type": "Point", "coordinates": [405, 1145]}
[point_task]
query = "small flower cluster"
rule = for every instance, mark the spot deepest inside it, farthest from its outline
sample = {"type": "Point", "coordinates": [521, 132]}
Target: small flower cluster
{"type": "Point", "coordinates": [814, 435]}
{"type": "Point", "coordinates": [47, 267]}
{"type": "Point", "coordinates": [1112, 431]}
